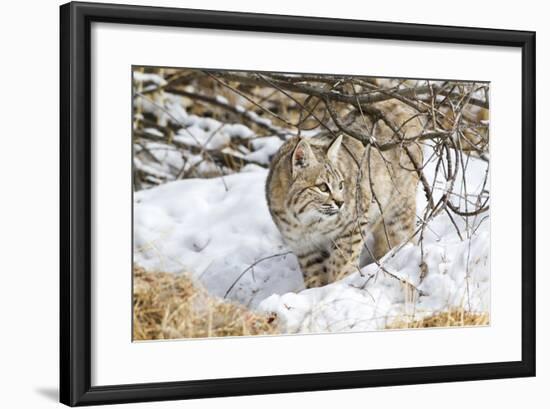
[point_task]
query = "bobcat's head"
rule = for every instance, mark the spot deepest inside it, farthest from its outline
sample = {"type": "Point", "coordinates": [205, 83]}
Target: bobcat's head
{"type": "Point", "coordinates": [318, 188]}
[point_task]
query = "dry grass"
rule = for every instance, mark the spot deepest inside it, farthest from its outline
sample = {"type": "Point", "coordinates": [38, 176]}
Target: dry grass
{"type": "Point", "coordinates": [452, 318]}
{"type": "Point", "coordinates": [169, 306]}
{"type": "Point", "coordinates": [166, 306]}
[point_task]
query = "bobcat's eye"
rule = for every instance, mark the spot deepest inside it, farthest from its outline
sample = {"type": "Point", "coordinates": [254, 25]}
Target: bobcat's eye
{"type": "Point", "coordinates": [341, 185]}
{"type": "Point", "coordinates": [323, 187]}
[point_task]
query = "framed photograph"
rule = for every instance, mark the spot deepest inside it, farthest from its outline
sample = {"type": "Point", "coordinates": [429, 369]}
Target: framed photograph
{"type": "Point", "coordinates": [259, 204]}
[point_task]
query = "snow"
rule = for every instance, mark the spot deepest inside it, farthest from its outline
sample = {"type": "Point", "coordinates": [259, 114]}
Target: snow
{"type": "Point", "coordinates": [372, 299]}
{"type": "Point", "coordinates": [196, 131]}
{"type": "Point", "coordinates": [259, 119]}
{"type": "Point", "coordinates": [222, 99]}
{"type": "Point", "coordinates": [167, 156]}
{"type": "Point", "coordinates": [264, 149]}
{"type": "Point", "coordinates": [151, 170]}
{"type": "Point", "coordinates": [201, 133]}
{"type": "Point", "coordinates": [153, 132]}
{"type": "Point", "coordinates": [210, 133]}
{"type": "Point", "coordinates": [220, 230]}
{"type": "Point", "coordinates": [145, 77]}
{"type": "Point", "coordinates": [198, 226]}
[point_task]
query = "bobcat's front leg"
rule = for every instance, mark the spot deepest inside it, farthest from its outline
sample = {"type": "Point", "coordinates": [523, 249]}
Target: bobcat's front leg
{"type": "Point", "coordinates": [334, 262]}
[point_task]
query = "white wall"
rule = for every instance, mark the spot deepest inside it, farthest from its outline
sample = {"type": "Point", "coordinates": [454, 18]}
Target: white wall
{"type": "Point", "coordinates": [29, 202]}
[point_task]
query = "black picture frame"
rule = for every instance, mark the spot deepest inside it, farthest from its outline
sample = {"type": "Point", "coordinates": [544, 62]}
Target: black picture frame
{"type": "Point", "coordinates": [76, 199]}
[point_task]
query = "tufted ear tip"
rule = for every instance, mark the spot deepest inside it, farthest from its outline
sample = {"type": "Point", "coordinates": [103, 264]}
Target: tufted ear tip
{"type": "Point", "coordinates": [302, 156]}
{"type": "Point", "coordinates": [334, 148]}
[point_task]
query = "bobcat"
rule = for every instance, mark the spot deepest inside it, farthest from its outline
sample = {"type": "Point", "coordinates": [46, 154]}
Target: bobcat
{"type": "Point", "coordinates": [327, 195]}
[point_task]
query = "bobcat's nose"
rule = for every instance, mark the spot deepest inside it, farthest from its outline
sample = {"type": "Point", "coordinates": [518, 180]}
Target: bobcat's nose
{"type": "Point", "coordinates": [339, 203]}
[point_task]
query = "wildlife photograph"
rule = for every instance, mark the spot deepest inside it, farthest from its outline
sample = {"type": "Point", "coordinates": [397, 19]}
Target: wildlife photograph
{"type": "Point", "coordinates": [279, 203]}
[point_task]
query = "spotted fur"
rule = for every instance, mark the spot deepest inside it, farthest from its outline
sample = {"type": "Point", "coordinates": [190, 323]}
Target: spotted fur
{"type": "Point", "coordinates": [327, 195]}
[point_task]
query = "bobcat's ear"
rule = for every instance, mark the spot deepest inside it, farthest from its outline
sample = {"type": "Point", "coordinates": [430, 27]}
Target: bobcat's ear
{"type": "Point", "coordinates": [302, 157]}
{"type": "Point", "coordinates": [334, 148]}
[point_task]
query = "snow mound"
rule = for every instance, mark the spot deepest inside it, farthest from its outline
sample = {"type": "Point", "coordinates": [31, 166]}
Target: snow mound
{"type": "Point", "coordinates": [220, 230]}
{"type": "Point", "coordinates": [457, 277]}
{"type": "Point", "coordinates": [215, 229]}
